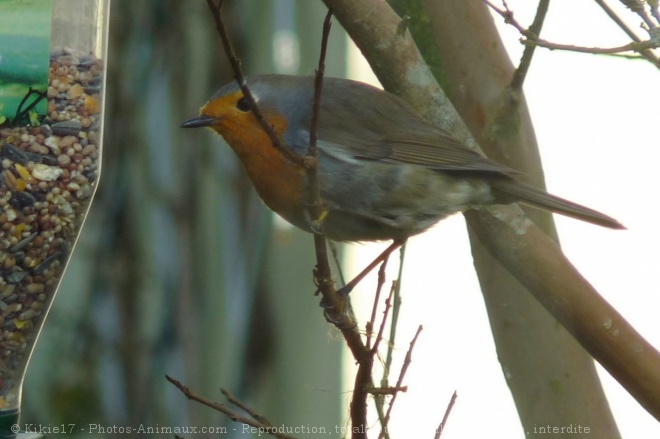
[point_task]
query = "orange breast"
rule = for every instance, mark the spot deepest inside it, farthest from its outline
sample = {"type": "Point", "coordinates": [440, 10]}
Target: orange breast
{"type": "Point", "coordinates": [280, 183]}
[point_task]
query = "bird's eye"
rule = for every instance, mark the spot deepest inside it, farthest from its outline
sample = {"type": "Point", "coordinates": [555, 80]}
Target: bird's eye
{"type": "Point", "coordinates": [243, 104]}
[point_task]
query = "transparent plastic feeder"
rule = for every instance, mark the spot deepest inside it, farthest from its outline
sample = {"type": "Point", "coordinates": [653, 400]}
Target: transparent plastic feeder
{"type": "Point", "coordinates": [52, 83]}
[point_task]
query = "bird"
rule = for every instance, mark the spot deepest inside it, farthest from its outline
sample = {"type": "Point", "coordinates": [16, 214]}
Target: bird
{"type": "Point", "coordinates": [384, 172]}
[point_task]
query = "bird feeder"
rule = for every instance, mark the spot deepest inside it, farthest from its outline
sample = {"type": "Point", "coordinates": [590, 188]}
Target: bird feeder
{"type": "Point", "coordinates": [52, 83]}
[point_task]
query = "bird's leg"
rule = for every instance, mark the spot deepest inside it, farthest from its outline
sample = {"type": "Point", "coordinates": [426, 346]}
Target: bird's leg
{"type": "Point", "coordinates": [343, 291]}
{"type": "Point", "coordinates": [316, 224]}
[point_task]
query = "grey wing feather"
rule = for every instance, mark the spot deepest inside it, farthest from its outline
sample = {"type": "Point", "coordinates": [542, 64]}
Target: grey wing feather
{"type": "Point", "coordinates": [351, 132]}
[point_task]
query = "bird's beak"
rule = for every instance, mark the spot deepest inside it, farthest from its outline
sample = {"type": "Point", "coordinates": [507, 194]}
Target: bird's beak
{"type": "Point", "coordinates": [200, 121]}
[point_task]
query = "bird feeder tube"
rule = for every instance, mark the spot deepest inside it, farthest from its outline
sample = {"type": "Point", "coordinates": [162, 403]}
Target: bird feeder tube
{"type": "Point", "coordinates": [52, 83]}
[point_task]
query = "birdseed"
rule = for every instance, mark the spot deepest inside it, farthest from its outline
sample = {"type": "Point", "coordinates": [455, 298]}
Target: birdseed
{"type": "Point", "coordinates": [48, 174]}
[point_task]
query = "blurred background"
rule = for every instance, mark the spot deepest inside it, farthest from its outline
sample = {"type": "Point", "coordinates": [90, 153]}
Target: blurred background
{"type": "Point", "coordinates": [170, 273]}
{"type": "Point", "coordinates": [180, 270]}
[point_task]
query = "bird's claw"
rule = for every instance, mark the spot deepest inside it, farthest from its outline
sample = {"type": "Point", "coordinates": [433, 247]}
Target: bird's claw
{"type": "Point", "coordinates": [342, 319]}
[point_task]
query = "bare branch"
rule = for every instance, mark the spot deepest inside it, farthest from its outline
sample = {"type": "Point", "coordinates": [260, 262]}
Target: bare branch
{"type": "Point", "coordinates": [388, 306]}
{"type": "Point", "coordinates": [599, 328]}
{"type": "Point", "coordinates": [639, 8]}
{"type": "Point", "coordinates": [265, 427]}
{"type": "Point", "coordinates": [615, 18]}
{"type": "Point", "coordinates": [526, 60]}
{"type": "Point", "coordinates": [396, 307]}
{"type": "Point", "coordinates": [404, 368]}
{"type": "Point", "coordinates": [630, 47]}
{"type": "Point", "coordinates": [531, 39]}
{"type": "Point", "coordinates": [240, 404]}
{"type": "Point", "coordinates": [240, 79]}
{"type": "Point", "coordinates": [647, 54]}
{"type": "Point", "coordinates": [374, 308]}
{"type": "Point", "coordinates": [387, 390]}
{"type": "Point", "coordinates": [450, 406]}
{"type": "Point", "coordinates": [337, 309]}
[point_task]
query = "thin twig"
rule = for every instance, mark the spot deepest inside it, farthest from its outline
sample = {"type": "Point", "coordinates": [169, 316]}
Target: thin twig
{"type": "Point", "coordinates": [638, 8]}
{"type": "Point", "coordinates": [526, 60]}
{"type": "Point", "coordinates": [630, 47]}
{"type": "Point", "coordinates": [289, 153]}
{"type": "Point", "coordinates": [615, 18]}
{"type": "Point", "coordinates": [530, 39]}
{"type": "Point", "coordinates": [443, 423]}
{"type": "Point", "coordinates": [379, 392]}
{"type": "Point", "coordinates": [387, 365]}
{"type": "Point", "coordinates": [318, 86]}
{"type": "Point", "coordinates": [386, 312]}
{"type": "Point", "coordinates": [335, 307]}
{"type": "Point", "coordinates": [387, 390]}
{"type": "Point", "coordinates": [404, 368]}
{"type": "Point", "coordinates": [396, 307]}
{"type": "Point", "coordinates": [647, 54]}
{"type": "Point", "coordinates": [374, 308]}
{"type": "Point", "coordinates": [260, 426]}
{"type": "Point", "coordinates": [240, 404]}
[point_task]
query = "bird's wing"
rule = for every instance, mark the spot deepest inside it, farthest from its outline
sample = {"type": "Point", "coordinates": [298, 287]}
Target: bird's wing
{"type": "Point", "coordinates": [365, 123]}
{"type": "Point", "coordinates": [434, 149]}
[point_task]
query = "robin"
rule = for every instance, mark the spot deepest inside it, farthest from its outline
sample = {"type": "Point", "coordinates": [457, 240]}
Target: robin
{"type": "Point", "coordinates": [384, 172]}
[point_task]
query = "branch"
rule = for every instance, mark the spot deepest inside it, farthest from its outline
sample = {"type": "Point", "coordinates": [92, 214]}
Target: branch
{"type": "Point", "coordinates": [261, 423]}
{"type": "Point", "coordinates": [406, 363]}
{"type": "Point", "coordinates": [630, 47]}
{"type": "Point", "coordinates": [599, 328]}
{"type": "Point", "coordinates": [396, 307]}
{"type": "Point", "coordinates": [647, 54]}
{"type": "Point", "coordinates": [240, 404]}
{"type": "Point", "coordinates": [337, 309]}
{"type": "Point", "coordinates": [378, 397]}
{"type": "Point", "coordinates": [386, 311]}
{"type": "Point", "coordinates": [639, 8]}
{"type": "Point", "coordinates": [526, 60]}
{"type": "Point", "coordinates": [450, 406]}
{"type": "Point", "coordinates": [532, 39]}
{"type": "Point", "coordinates": [240, 79]}
{"type": "Point", "coordinates": [387, 390]}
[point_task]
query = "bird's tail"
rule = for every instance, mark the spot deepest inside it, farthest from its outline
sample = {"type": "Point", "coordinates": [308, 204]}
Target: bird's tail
{"type": "Point", "coordinates": [516, 191]}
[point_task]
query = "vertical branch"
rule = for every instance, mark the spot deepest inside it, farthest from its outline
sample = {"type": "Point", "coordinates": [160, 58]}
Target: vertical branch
{"type": "Point", "coordinates": [235, 62]}
{"type": "Point", "coordinates": [396, 307]}
{"type": "Point", "coordinates": [335, 307]}
{"type": "Point", "coordinates": [318, 86]}
{"type": "Point", "coordinates": [406, 363]}
{"type": "Point", "coordinates": [526, 60]}
{"type": "Point", "coordinates": [379, 399]}
{"type": "Point", "coordinates": [374, 308]}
